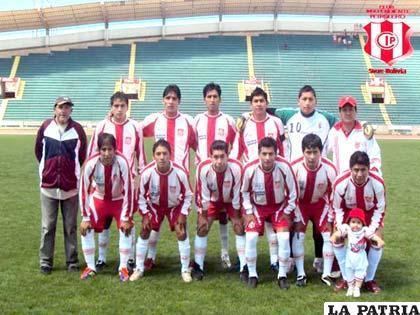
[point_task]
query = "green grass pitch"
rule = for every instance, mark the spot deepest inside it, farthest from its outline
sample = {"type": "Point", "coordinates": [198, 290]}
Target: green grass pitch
{"type": "Point", "coordinates": [24, 290]}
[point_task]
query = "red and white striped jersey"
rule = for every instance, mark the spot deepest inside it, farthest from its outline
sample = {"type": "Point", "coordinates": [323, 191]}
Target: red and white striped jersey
{"type": "Point", "coordinates": [164, 190]}
{"type": "Point", "coordinates": [129, 137]}
{"type": "Point", "coordinates": [368, 197]}
{"type": "Point", "coordinates": [343, 145]}
{"type": "Point", "coordinates": [246, 142]}
{"type": "Point", "coordinates": [210, 128]}
{"type": "Point", "coordinates": [111, 182]}
{"type": "Point", "coordinates": [178, 131]}
{"type": "Point", "coordinates": [315, 185]}
{"type": "Point", "coordinates": [223, 187]}
{"type": "Point", "coordinates": [274, 188]}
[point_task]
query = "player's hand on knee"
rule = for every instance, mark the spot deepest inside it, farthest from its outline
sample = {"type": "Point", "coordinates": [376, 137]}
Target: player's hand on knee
{"type": "Point", "coordinates": [181, 225]}
{"type": "Point", "coordinates": [85, 226]}
{"type": "Point", "coordinates": [202, 224]}
{"type": "Point", "coordinates": [125, 227]}
{"type": "Point", "coordinates": [147, 222]}
{"type": "Point", "coordinates": [249, 218]}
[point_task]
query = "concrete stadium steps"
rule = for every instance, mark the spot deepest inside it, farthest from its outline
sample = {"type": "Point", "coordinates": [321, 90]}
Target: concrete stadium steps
{"type": "Point", "coordinates": [191, 64]}
{"type": "Point", "coordinates": [333, 70]}
{"type": "Point", "coordinates": [86, 75]}
{"type": "Point", "coordinates": [5, 66]}
{"type": "Point", "coordinates": [89, 75]}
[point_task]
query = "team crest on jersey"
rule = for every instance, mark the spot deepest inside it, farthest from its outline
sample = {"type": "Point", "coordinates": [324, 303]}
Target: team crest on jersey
{"type": "Point", "coordinates": [180, 132]}
{"type": "Point", "coordinates": [154, 190]}
{"type": "Point", "coordinates": [357, 145]}
{"type": "Point", "coordinates": [226, 183]}
{"type": "Point", "coordinates": [99, 180]}
{"type": "Point", "coordinates": [320, 186]}
{"type": "Point", "coordinates": [221, 132]}
{"type": "Point", "coordinates": [270, 134]}
{"type": "Point", "coordinates": [277, 184]}
{"type": "Point", "coordinates": [128, 140]}
{"type": "Point", "coordinates": [368, 198]}
{"type": "Point", "coordinates": [172, 189]}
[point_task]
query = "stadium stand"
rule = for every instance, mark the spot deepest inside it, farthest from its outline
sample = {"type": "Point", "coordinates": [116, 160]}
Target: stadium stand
{"type": "Point", "coordinates": [87, 75]}
{"type": "Point", "coordinates": [191, 64]}
{"type": "Point", "coordinates": [286, 62]}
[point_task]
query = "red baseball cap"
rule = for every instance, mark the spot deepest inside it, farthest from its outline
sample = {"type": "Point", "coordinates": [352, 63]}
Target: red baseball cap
{"type": "Point", "coordinates": [357, 213]}
{"type": "Point", "coordinates": [347, 100]}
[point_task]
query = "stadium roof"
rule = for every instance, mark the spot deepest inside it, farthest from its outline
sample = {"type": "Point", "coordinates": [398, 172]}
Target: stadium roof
{"type": "Point", "coordinates": [134, 10]}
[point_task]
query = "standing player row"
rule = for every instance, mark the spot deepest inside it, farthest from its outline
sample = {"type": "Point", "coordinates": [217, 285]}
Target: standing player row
{"type": "Point", "coordinates": [183, 133]}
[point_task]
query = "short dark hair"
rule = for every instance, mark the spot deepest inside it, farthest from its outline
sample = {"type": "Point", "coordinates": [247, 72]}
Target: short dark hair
{"type": "Point", "coordinates": [172, 88]}
{"type": "Point", "coordinates": [119, 95]}
{"type": "Point", "coordinates": [312, 141]}
{"type": "Point", "coordinates": [210, 87]}
{"type": "Point", "coordinates": [161, 143]}
{"type": "Point", "coordinates": [219, 145]}
{"type": "Point", "coordinates": [108, 138]}
{"type": "Point", "coordinates": [258, 92]}
{"type": "Point", "coordinates": [359, 157]}
{"type": "Point", "coordinates": [267, 142]}
{"type": "Point", "coordinates": [306, 88]}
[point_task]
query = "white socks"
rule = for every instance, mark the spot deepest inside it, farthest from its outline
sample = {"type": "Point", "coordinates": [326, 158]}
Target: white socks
{"type": "Point", "coordinates": [103, 244]}
{"type": "Point", "coordinates": [340, 254]}
{"type": "Point", "coordinates": [283, 239]}
{"type": "Point", "coordinates": [184, 254]}
{"type": "Point", "coordinates": [224, 238]}
{"type": "Point", "coordinates": [133, 243]}
{"type": "Point", "coordinates": [298, 252]}
{"type": "Point", "coordinates": [153, 240]}
{"type": "Point", "coordinates": [374, 257]}
{"type": "Point", "coordinates": [240, 248]}
{"type": "Point", "coordinates": [251, 252]}
{"type": "Point", "coordinates": [88, 246]}
{"type": "Point", "coordinates": [327, 254]}
{"type": "Point", "coordinates": [272, 242]}
{"type": "Point", "coordinates": [141, 250]}
{"type": "Point", "coordinates": [200, 248]}
{"type": "Point", "coordinates": [125, 249]}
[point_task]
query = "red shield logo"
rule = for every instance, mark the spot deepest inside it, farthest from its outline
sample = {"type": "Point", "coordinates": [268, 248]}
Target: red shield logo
{"type": "Point", "coordinates": [388, 41]}
{"type": "Point", "coordinates": [180, 132]}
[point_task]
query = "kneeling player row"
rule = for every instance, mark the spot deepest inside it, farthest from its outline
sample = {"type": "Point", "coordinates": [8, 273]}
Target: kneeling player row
{"type": "Point", "coordinates": [268, 189]}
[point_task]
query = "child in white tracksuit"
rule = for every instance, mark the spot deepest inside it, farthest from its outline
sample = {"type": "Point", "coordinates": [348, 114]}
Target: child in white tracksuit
{"type": "Point", "coordinates": [356, 258]}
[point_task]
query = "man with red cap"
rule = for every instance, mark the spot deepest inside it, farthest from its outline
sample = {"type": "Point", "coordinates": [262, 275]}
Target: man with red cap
{"type": "Point", "coordinates": [356, 262]}
{"type": "Point", "coordinates": [363, 189]}
{"type": "Point", "coordinates": [350, 135]}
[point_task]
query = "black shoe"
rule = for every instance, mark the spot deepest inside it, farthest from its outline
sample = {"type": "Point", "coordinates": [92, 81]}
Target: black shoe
{"type": "Point", "coordinates": [244, 274]}
{"type": "Point", "coordinates": [236, 267]}
{"type": "Point", "coordinates": [45, 270]}
{"type": "Point", "coordinates": [301, 281]}
{"type": "Point", "coordinates": [252, 282]}
{"type": "Point", "coordinates": [100, 265]}
{"type": "Point", "coordinates": [73, 268]}
{"type": "Point", "coordinates": [196, 272]}
{"type": "Point", "coordinates": [283, 284]}
{"type": "Point", "coordinates": [274, 267]}
{"type": "Point", "coordinates": [131, 266]}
